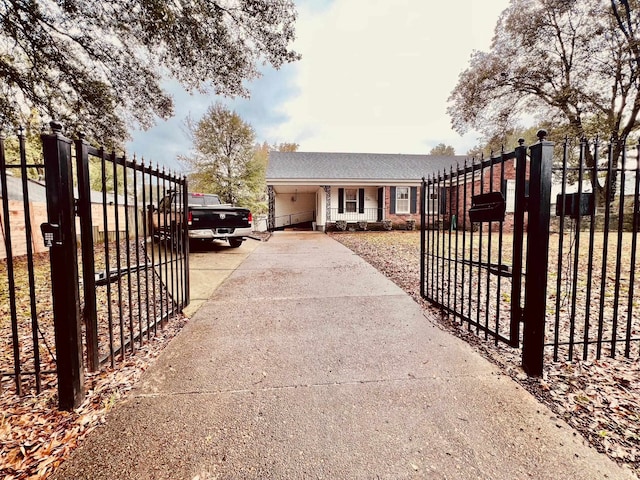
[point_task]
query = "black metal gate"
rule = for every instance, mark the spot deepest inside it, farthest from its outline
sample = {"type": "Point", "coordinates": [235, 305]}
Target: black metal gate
{"type": "Point", "coordinates": [477, 223]}
{"type": "Point", "coordinates": [552, 245]}
{"type": "Point", "coordinates": [109, 287]}
{"type": "Point", "coordinates": [26, 357]}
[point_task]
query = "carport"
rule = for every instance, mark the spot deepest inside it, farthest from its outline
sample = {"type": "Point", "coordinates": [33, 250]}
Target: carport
{"type": "Point", "coordinates": [294, 206]}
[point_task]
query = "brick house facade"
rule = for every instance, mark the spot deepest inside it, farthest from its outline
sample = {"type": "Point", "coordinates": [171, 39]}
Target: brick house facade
{"type": "Point", "coordinates": [322, 188]}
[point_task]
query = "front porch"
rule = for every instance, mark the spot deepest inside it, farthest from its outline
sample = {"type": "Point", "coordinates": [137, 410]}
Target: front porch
{"type": "Point", "coordinates": [321, 206]}
{"type": "Point", "coordinates": [331, 207]}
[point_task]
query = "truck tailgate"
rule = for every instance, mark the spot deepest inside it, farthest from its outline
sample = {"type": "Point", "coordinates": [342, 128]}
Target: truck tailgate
{"type": "Point", "coordinates": [209, 217]}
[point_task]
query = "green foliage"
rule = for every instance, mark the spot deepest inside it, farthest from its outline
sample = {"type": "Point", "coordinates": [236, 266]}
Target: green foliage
{"type": "Point", "coordinates": [444, 150]}
{"type": "Point", "coordinates": [285, 147]}
{"type": "Point", "coordinates": [223, 161]}
{"type": "Point", "coordinates": [97, 66]}
{"type": "Point", "coordinates": [30, 135]}
{"type": "Point", "coordinates": [506, 140]}
{"type": "Point", "coordinates": [33, 153]}
{"type": "Point", "coordinates": [96, 175]}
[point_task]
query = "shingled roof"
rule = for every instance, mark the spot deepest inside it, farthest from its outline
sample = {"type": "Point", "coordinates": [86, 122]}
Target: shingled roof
{"type": "Point", "coordinates": [327, 166]}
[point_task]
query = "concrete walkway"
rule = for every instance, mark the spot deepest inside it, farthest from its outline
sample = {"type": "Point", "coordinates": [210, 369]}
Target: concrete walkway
{"type": "Point", "coordinates": [307, 363]}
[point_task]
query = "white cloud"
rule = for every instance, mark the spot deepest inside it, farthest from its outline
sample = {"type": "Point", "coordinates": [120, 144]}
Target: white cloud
{"type": "Point", "coordinates": [375, 77]}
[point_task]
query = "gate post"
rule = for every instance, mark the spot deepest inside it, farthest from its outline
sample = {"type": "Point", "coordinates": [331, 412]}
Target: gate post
{"type": "Point", "coordinates": [518, 242]}
{"type": "Point", "coordinates": [88, 263]}
{"type": "Point", "coordinates": [60, 236]}
{"type": "Point", "coordinates": [423, 219]}
{"type": "Point", "coordinates": [185, 240]}
{"type": "Point", "coordinates": [535, 302]}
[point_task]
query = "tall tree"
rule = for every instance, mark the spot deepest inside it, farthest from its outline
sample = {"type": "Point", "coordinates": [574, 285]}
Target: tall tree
{"type": "Point", "coordinates": [98, 65]}
{"type": "Point", "coordinates": [506, 141]}
{"type": "Point", "coordinates": [223, 159]}
{"type": "Point", "coordinates": [285, 147]}
{"type": "Point", "coordinates": [260, 160]}
{"type": "Point", "coordinates": [574, 63]}
{"type": "Point", "coordinates": [444, 150]}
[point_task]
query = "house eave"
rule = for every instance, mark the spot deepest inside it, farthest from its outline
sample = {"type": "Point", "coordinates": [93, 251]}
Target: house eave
{"type": "Point", "coordinates": [377, 182]}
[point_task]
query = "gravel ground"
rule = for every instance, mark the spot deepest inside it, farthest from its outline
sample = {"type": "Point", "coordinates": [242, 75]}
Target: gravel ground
{"type": "Point", "coordinates": [599, 398]}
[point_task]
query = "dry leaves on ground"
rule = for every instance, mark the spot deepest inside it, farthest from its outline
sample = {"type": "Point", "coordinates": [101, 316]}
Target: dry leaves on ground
{"type": "Point", "coordinates": [35, 437]}
{"type": "Point", "coordinates": [600, 399]}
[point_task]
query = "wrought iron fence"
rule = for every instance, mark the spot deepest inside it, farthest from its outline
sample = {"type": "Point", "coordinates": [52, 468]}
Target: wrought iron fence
{"type": "Point", "coordinates": [592, 310]}
{"type": "Point", "coordinates": [472, 263]}
{"type": "Point", "coordinates": [28, 355]}
{"type": "Point", "coordinates": [104, 283]}
{"type": "Point", "coordinates": [521, 239]}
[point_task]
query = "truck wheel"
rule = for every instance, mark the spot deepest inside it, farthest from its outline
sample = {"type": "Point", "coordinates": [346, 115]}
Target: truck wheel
{"type": "Point", "coordinates": [235, 242]}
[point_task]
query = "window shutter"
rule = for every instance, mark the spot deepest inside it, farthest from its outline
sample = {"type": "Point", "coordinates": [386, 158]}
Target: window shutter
{"type": "Point", "coordinates": [361, 200]}
{"type": "Point", "coordinates": [414, 200]}
{"type": "Point", "coordinates": [442, 201]}
{"type": "Point", "coordinates": [380, 203]}
{"type": "Point", "coordinates": [341, 200]}
{"type": "Point", "coordinates": [392, 201]}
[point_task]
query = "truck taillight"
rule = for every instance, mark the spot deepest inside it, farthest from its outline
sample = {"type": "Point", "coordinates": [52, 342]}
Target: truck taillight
{"type": "Point", "coordinates": [190, 218]}
{"type": "Point", "coordinates": [250, 217]}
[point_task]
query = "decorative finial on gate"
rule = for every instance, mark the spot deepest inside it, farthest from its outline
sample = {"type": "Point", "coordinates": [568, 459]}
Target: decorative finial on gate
{"type": "Point", "coordinates": [521, 141]}
{"type": "Point", "coordinates": [542, 133]}
{"type": "Point", "coordinates": [55, 126]}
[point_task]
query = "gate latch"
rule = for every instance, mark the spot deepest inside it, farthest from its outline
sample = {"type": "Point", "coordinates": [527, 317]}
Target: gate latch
{"type": "Point", "coordinates": [51, 234]}
{"type": "Point", "coordinates": [487, 207]}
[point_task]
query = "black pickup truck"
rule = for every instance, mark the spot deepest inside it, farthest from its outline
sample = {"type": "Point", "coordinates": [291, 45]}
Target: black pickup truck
{"type": "Point", "coordinates": [207, 219]}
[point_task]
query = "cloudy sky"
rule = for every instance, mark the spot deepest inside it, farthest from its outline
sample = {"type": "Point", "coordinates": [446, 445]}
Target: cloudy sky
{"type": "Point", "coordinates": [375, 76]}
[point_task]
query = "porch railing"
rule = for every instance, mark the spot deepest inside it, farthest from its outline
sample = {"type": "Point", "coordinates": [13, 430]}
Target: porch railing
{"type": "Point", "coordinates": [295, 218]}
{"type": "Point", "coordinates": [369, 215]}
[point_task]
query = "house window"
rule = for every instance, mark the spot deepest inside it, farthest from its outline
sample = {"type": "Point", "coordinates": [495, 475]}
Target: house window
{"type": "Point", "coordinates": [402, 200]}
{"type": "Point", "coordinates": [350, 200]}
{"type": "Point", "coordinates": [432, 200]}
{"type": "Point", "coordinates": [510, 196]}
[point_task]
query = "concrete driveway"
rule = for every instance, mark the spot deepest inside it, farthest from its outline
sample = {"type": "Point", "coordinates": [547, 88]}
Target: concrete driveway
{"type": "Point", "coordinates": [307, 363]}
{"type": "Point", "coordinates": [210, 266]}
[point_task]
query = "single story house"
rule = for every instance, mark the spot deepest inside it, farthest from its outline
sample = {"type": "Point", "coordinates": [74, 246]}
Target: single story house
{"type": "Point", "coordinates": [321, 188]}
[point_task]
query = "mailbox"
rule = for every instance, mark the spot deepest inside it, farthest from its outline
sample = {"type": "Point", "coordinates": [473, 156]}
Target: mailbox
{"type": "Point", "coordinates": [575, 204]}
{"type": "Point", "coordinates": [487, 207]}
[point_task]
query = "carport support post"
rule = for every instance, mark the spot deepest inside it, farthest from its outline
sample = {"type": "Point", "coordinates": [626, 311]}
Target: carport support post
{"type": "Point", "coordinates": [535, 303]}
{"type": "Point", "coordinates": [64, 268]}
